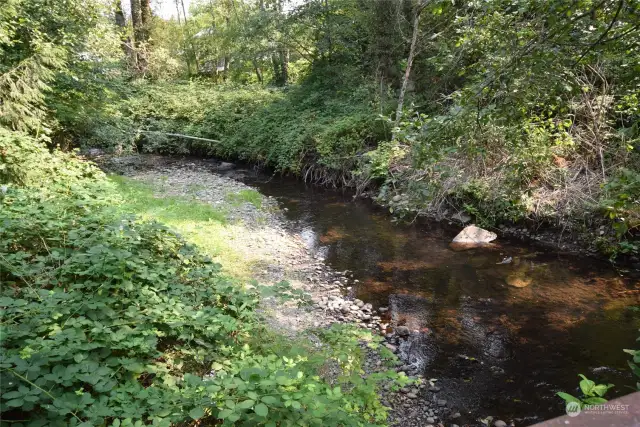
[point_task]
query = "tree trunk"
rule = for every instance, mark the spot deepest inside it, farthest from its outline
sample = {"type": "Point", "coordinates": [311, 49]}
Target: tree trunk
{"type": "Point", "coordinates": [189, 42]}
{"type": "Point", "coordinates": [187, 55]}
{"type": "Point", "coordinates": [277, 70]}
{"type": "Point", "coordinates": [119, 14]}
{"type": "Point", "coordinates": [258, 71]}
{"type": "Point", "coordinates": [138, 35]}
{"type": "Point", "coordinates": [184, 12]}
{"type": "Point", "coordinates": [284, 65]}
{"type": "Point", "coordinates": [145, 15]}
{"type": "Point", "coordinates": [178, 10]}
{"type": "Point", "coordinates": [412, 54]}
{"type": "Point", "coordinates": [121, 23]}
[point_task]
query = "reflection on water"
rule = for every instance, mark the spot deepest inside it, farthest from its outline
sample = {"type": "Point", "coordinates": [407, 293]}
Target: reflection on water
{"type": "Point", "coordinates": [501, 338]}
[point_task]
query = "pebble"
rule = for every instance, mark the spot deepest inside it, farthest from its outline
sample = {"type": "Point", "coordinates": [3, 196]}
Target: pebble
{"type": "Point", "coordinates": [391, 347]}
{"type": "Point", "coordinates": [403, 331]}
{"type": "Point", "coordinates": [442, 402]}
{"type": "Point", "coordinates": [500, 423]}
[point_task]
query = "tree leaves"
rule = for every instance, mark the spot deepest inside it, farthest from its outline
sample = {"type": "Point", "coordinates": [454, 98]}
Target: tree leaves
{"type": "Point", "coordinates": [261, 409]}
{"type": "Point", "coordinates": [196, 413]}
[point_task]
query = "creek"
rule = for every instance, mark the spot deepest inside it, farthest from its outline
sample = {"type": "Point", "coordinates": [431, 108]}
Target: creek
{"type": "Point", "coordinates": [495, 349]}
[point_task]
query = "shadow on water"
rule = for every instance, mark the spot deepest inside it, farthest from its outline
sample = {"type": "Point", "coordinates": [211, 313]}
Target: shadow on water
{"type": "Point", "coordinates": [495, 349]}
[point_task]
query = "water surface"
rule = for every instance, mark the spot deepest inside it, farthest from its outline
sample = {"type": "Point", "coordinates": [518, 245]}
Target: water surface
{"type": "Point", "coordinates": [495, 349]}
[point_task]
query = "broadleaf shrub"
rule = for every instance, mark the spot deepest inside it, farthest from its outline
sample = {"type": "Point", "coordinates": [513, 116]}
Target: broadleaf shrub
{"type": "Point", "coordinates": [110, 320]}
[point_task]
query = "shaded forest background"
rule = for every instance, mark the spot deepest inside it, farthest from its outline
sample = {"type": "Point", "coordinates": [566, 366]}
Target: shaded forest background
{"type": "Point", "coordinates": [514, 112]}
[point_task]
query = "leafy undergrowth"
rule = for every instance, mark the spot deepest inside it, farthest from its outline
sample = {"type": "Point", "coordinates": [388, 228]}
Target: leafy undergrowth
{"type": "Point", "coordinates": [307, 130]}
{"type": "Point", "coordinates": [198, 222]}
{"type": "Point", "coordinates": [109, 319]}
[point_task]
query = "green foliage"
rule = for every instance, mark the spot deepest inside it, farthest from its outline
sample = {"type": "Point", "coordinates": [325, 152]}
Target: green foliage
{"type": "Point", "coordinates": [41, 43]}
{"type": "Point", "coordinates": [308, 127]}
{"type": "Point", "coordinates": [198, 222]}
{"type": "Point", "coordinates": [592, 393]}
{"type": "Point", "coordinates": [25, 162]}
{"type": "Point", "coordinates": [112, 319]}
{"type": "Point", "coordinates": [528, 120]}
{"type": "Point", "coordinates": [622, 201]}
{"type": "Point", "coordinates": [633, 364]}
{"type": "Point", "coordinates": [193, 109]}
{"type": "Point", "coordinates": [491, 206]}
{"type": "Point", "coordinates": [285, 130]}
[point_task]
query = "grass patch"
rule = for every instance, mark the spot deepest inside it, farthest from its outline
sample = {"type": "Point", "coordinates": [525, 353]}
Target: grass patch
{"type": "Point", "coordinates": [199, 222]}
{"type": "Point", "coordinates": [245, 196]}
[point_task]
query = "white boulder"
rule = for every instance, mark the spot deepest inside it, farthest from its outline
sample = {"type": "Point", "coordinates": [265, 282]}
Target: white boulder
{"type": "Point", "coordinates": [472, 237]}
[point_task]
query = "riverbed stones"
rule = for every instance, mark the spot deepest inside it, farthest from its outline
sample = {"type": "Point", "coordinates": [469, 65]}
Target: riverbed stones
{"type": "Point", "coordinates": [391, 347]}
{"type": "Point", "coordinates": [496, 370]}
{"type": "Point", "coordinates": [224, 166]}
{"type": "Point", "coordinates": [518, 280]}
{"type": "Point", "coordinates": [462, 217]}
{"type": "Point", "coordinates": [403, 331]}
{"type": "Point", "coordinates": [520, 277]}
{"type": "Point", "coordinates": [499, 423]}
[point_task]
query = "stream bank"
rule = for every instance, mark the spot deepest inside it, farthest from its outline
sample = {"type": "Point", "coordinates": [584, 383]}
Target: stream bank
{"type": "Point", "coordinates": [496, 351]}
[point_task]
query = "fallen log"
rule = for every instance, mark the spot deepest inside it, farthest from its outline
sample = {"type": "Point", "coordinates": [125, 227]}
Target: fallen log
{"type": "Point", "coordinates": [179, 135]}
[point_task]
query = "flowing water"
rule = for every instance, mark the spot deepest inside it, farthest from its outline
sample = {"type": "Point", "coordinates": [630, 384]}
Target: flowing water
{"type": "Point", "coordinates": [495, 349]}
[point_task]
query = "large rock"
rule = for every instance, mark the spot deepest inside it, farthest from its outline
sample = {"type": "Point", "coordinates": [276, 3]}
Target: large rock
{"type": "Point", "coordinates": [472, 237]}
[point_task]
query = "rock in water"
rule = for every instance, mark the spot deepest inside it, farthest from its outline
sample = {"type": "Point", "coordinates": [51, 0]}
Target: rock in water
{"type": "Point", "coordinates": [472, 237]}
{"type": "Point", "coordinates": [519, 278]}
